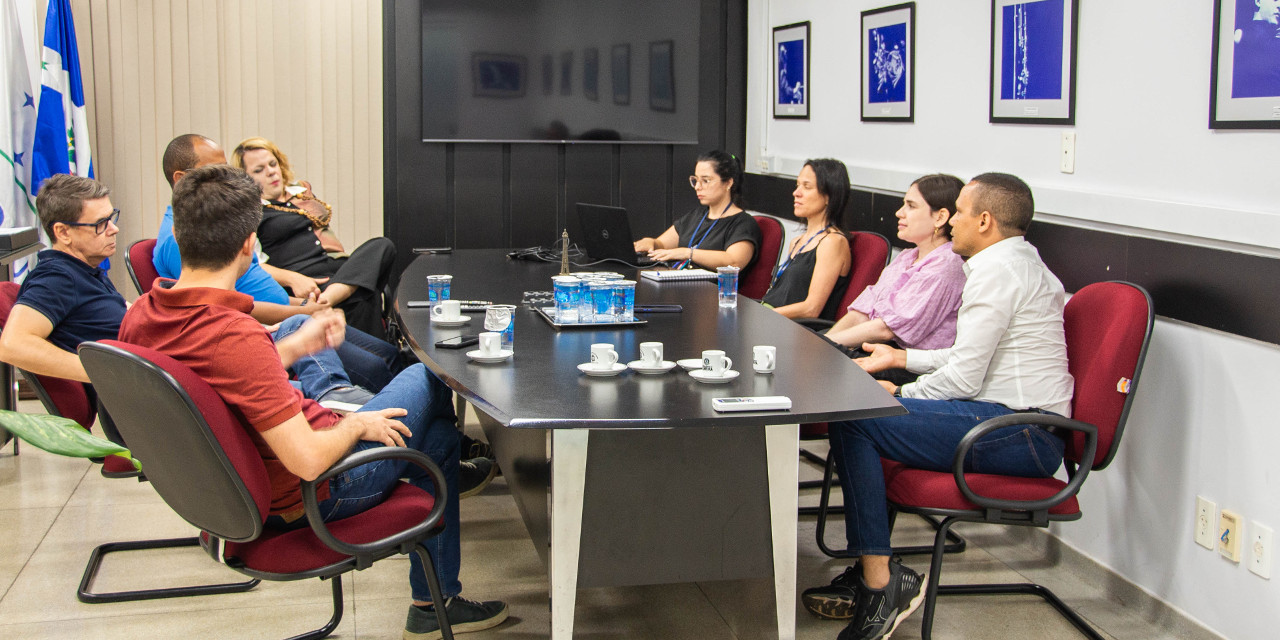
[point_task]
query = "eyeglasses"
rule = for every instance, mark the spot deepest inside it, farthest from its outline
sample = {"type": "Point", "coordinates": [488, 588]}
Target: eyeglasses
{"type": "Point", "coordinates": [704, 183]}
{"type": "Point", "coordinates": [99, 227]}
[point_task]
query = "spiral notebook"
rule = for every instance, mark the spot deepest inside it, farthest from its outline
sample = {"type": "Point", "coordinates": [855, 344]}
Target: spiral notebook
{"type": "Point", "coordinates": [679, 274]}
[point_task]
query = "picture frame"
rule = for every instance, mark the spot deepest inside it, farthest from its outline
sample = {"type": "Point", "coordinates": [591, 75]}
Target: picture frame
{"type": "Point", "coordinates": [888, 68]}
{"type": "Point", "coordinates": [548, 75]}
{"type": "Point", "coordinates": [620, 71]}
{"type": "Point", "coordinates": [791, 71]}
{"type": "Point", "coordinates": [1244, 80]}
{"type": "Point", "coordinates": [566, 73]}
{"type": "Point", "coordinates": [1033, 61]}
{"type": "Point", "coordinates": [497, 75]}
{"type": "Point", "coordinates": [591, 73]}
{"type": "Point", "coordinates": [662, 81]}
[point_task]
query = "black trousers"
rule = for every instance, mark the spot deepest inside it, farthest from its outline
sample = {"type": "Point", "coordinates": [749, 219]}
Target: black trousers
{"type": "Point", "coordinates": [368, 269]}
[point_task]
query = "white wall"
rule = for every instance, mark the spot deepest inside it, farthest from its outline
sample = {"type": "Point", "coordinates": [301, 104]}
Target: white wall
{"type": "Point", "coordinates": [1146, 164]}
{"type": "Point", "coordinates": [1145, 156]}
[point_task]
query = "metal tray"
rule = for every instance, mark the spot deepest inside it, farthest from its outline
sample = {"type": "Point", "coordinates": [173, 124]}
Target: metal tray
{"type": "Point", "coordinates": [548, 314]}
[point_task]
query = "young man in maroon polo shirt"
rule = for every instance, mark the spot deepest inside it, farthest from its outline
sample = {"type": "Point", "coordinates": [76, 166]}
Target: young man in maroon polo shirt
{"type": "Point", "coordinates": [201, 321]}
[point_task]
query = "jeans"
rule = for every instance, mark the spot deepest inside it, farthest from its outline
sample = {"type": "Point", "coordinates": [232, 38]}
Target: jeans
{"type": "Point", "coordinates": [432, 421]}
{"type": "Point", "coordinates": [926, 438]}
{"type": "Point", "coordinates": [361, 360]}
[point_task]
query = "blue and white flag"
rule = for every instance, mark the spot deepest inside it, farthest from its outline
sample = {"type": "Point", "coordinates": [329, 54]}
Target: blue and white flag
{"type": "Point", "coordinates": [62, 128]}
{"type": "Point", "coordinates": [17, 130]}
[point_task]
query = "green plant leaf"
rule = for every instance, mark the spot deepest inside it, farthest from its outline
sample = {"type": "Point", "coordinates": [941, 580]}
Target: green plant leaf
{"type": "Point", "coordinates": [62, 436]}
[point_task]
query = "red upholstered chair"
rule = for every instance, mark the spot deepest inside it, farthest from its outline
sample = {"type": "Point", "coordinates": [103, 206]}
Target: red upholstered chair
{"type": "Point", "coordinates": [754, 282]}
{"type": "Point", "coordinates": [78, 401]}
{"type": "Point", "coordinates": [138, 261]}
{"type": "Point", "coordinates": [207, 469]}
{"type": "Point", "coordinates": [1108, 327]}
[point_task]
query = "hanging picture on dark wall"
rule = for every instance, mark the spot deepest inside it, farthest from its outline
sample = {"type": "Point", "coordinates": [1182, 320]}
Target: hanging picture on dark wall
{"type": "Point", "coordinates": [1033, 55]}
{"type": "Point", "coordinates": [548, 75]}
{"type": "Point", "coordinates": [498, 76]}
{"type": "Point", "coordinates": [791, 71]}
{"type": "Point", "coordinates": [591, 73]}
{"type": "Point", "coordinates": [1245, 75]}
{"type": "Point", "coordinates": [888, 63]}
{"type": "Point", "coordinates": [662, 82]}
{"type": "Point", "coordinates": [621, 72]}
{"type": "Point", "coordinates": [566, 73]}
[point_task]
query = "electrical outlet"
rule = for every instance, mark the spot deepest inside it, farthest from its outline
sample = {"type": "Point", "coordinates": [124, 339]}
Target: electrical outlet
{"type": "Point", "coordinates": [1229, 535]}
{"type": "Point", "coordinates": [1068, 152]}
{"type": "Point", "coordinates": [1206, 516]}
{"type": "Point", "coordinates": [1260, 549]}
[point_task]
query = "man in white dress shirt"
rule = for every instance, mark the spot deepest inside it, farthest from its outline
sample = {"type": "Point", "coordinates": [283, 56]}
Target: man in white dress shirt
{"type": "Point", "coordinates": [1010, 355]}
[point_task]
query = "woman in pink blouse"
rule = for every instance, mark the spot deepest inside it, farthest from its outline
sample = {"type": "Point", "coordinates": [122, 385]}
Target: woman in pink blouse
{"type": "Point", "coordinates": [915, 301]}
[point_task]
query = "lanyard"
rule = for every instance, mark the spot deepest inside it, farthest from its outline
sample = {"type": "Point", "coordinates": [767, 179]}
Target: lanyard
{"type": "Point", "coordinates": [693, 244]}
{"type": "Point", "coordinates": [782, 268]}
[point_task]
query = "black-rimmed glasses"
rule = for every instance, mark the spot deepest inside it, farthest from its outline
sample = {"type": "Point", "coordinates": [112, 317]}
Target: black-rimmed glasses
{"type": "Point", "coordinates": [99, 227]}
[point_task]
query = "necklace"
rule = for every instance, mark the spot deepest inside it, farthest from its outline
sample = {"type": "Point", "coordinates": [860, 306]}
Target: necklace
{"type": "Point", "coordinates": [318, 221]}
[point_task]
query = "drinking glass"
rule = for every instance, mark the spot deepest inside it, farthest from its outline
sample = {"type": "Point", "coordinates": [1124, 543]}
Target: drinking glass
{"type": "Point", "coordinates": [624, 300]}
{"type": "Point", "coordinates": [727, 282]}
{"type": "Point", "coordinates": [438, 288]}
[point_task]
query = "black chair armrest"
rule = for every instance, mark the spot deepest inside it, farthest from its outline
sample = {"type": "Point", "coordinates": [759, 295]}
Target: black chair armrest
{"type": "Point", "coordinates": [1042, 421]}
{"type": "Point", "coordinates": [408, 536]}
{"type": "Point", "coordinates": [816, 324]}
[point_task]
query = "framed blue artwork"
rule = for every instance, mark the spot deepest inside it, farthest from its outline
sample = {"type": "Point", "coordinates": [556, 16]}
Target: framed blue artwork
{"type": "Point", "coordinates": [591, 73]}
{"type": "Point", "coordinates": [888, 64]}
{"type": "Point", "coordinates": [621, 71]}
{"type": "Point", "coordinates": [1244, 85]}
{"type": "Point", "coordinates": [1033, 61]}
{"type": "Point", "coordinates": [498, 76]}
{"type": "Point", "coordinates": [791, 71]}
{"type": "Point", "coordinates": [662, 80]}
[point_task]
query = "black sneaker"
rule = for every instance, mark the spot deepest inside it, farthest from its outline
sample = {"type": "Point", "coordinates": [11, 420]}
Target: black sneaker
{"type": "Point", "coordinates": [880, 611]}
{"type": "Point", "coordinates": [837, 600]}
{"type": "Point", "coordinates": [464, 616]}
{"type": "Point", "coordinates": [474, 475]}
{"type": "Point", "coordinates": [472, 448]}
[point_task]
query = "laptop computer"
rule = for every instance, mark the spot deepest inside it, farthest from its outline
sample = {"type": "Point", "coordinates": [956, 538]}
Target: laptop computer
{"type": "Point", "coordinates": [606, 234]}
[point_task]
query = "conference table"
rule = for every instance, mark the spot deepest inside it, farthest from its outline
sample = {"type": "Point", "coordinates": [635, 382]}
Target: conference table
{"type": "Point", "coordinates": [634, 479]}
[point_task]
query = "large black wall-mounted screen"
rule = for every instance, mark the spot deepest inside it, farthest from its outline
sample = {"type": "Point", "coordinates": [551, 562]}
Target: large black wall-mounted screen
{"type": "Point", "coordinates": [560, 70]}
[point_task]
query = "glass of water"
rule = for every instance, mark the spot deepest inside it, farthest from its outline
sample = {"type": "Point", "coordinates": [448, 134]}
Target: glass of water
{"type": "Point", "coordinates": [624, 300]}
{"type": "Point", "coordinates": [567, 288]}
{"type": "Point", "coordinates": [438, 288]}
{"type": "Point", "coordinates": [602, 301]}
{"type": "Point", "coordinates": [501, 318]}
{"type": "Point", "coordinates": [727, 282]}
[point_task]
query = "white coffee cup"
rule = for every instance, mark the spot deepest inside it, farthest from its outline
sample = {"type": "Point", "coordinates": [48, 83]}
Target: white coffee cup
{"type": "Point", "coordinates": [764, 358]}
{"type": "Point", "coordinates": [715, 362]}
{"type": "Point", "coordinates": [447, 311]}
{"type": "Point", "coordinates": [651, 354]}
{"type": "Point", "coordinates": [603, 356]}
{"type": "Point", "coordinates": [490, 343]}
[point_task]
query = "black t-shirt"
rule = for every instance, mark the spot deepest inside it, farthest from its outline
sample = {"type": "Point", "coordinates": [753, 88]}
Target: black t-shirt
{"type": "Point", "coordinates": [694, 228]}
{"type": "Point", "coordinates": [78, 299]}
{"type": "Point", "coordinates": [793, 285]}
{"type": "Point", "coordinates": [290, 242]}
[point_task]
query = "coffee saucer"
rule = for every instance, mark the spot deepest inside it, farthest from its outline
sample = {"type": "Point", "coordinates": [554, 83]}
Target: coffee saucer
{"type": "Point", "coordinates": [711, 378]}
{"type": "Point", "coordinates": [690, 364]}
{"type": "Point", "coordinates": [640, 367]}
{"type": "Point", "coordinates": [450, 323]}
{"type": "Point", "coordinates": [591, 370]}
{"type": "Point", "coordinates": [479, 356]}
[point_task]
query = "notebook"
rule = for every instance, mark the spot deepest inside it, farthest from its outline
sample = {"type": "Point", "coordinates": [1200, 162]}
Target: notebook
{"type": "Point", "coordinates": [606, 234]}
{"type": "Point", "coordinates": [679, 274]}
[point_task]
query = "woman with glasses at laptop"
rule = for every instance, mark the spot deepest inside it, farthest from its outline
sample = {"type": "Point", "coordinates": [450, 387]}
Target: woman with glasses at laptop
{"type": "Point", "coordinates": [718, 233]}
{"type": "Point", "coordinates": [810, 279]}
{"type": "Point", "coordinates": [293, 233]}
{"type": "Point", "coordinates": [915, 301]}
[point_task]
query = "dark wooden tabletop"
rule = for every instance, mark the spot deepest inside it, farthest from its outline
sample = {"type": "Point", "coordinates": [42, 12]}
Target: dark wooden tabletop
{"type": "Point", "coordinates": [540, 386]}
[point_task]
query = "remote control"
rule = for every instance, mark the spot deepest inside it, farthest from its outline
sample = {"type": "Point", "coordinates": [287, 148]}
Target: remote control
{"type": "Point", "coordinates": [756, 403]}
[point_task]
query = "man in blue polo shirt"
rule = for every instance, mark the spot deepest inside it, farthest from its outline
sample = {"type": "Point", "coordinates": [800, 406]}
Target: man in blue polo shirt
{"type": "Point", "coordinates": [67, 299]}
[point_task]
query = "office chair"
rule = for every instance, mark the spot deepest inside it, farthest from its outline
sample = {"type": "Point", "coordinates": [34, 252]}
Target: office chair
{"type": "Point", "coordinates": [753, 282]}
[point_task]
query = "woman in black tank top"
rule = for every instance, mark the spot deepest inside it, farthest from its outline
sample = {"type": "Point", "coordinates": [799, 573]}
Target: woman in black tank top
{"type": "Point", "coordinates": [811, 276]}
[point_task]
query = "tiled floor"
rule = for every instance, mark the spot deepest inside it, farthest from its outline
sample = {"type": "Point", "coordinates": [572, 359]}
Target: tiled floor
{"type": "Point", "coordinates": [54, 510]}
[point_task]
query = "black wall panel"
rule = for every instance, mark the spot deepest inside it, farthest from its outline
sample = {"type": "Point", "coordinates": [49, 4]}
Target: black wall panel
{"type": "Point", "coordinates": [473, 195]}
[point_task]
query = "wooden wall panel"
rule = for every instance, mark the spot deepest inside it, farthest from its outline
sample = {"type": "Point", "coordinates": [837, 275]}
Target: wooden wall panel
{"type": "Point", "coordinates": [306, 74]}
